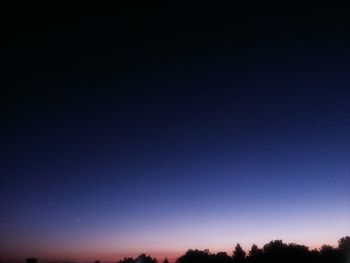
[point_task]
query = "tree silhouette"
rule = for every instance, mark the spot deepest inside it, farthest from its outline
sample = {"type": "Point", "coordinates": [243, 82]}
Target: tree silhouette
{"type": "Point", "coordinates": [328, 254]}
{"type": "Point", "coordinates": [273, 252]}
{"type": "Point", "coordinates": [127, 260]}
{"type": "Point", "coordinates": [142, 258]}
{"type": "Point", "coordinates": [239, 254]}
{"type": "Point", "coordinates": [295, 252]}
{"type": "Point", "coordinates": [344, 249]}
{"type": "Point", "coordinates": [222, 257]}
{"type": "Point", "coordinates": [344, 243]}
{"type": "Point", "coordinates": [196, 256]}
{"type": "Point", "coordinates": [255, 254]}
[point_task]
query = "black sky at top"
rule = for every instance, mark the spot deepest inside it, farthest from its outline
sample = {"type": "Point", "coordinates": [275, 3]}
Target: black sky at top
{"type": "Point", "coordinates": [81, 77]}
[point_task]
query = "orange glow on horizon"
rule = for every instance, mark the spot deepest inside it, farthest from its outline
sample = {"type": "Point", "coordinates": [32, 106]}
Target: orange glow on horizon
{"type": "Point", "coordinates": [112, 257]}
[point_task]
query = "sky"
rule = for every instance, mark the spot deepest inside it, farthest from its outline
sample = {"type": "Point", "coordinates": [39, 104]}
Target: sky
{"type": "Point", "coordinates": [158, 130]}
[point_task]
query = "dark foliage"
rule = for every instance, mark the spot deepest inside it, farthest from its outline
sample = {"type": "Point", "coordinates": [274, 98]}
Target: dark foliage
{"type": "Point", "coordinates": [142, 258]}
{"type": "Point", "coordinates": [238, 254]}
{"type": "Point", "coordinates": [274, 252]}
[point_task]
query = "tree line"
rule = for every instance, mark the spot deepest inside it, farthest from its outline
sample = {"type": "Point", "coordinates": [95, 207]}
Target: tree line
{"type": "Point", "coordinates": [273, 252]}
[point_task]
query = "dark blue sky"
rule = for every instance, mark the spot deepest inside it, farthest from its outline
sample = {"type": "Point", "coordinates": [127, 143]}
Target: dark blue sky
{"type": "Point", "coordinates": [130, 131]}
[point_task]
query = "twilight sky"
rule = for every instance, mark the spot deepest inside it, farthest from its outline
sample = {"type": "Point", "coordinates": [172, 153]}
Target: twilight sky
{"type": "Point", "coordinates": [159, 130]}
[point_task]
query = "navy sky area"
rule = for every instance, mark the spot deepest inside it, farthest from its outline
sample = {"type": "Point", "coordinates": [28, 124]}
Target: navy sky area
{"type": "Point", "coordinates": [128, 130]}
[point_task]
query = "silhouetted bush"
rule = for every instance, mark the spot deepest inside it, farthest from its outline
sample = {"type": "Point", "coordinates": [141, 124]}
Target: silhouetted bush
{"type": "Point", "coordinates": [222, 257]}
{"type": "Point", "coordinates": [31, 260]}
{"type": "Point", "coordinates": [142, 258]}
{"type": "Point", "coordinates": [196, 256]}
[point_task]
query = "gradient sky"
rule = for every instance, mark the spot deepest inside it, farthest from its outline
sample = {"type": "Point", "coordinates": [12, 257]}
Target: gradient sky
{"type": "Point", "coordinates": [128, 131]}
